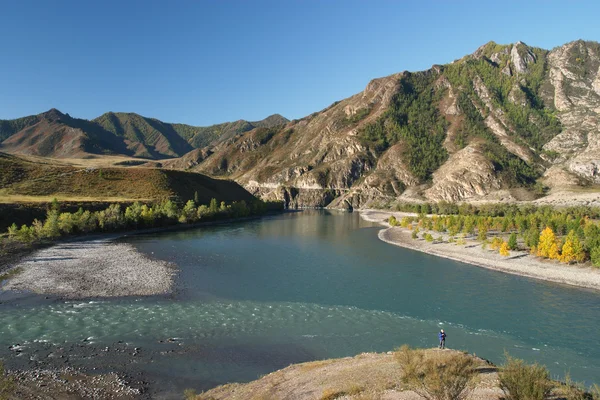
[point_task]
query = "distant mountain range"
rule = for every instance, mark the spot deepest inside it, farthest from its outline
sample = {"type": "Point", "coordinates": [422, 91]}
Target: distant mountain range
{"type": "Point", "coordinates": [54, 134]}
{"type": "Point", "coordinates": [494, 124]}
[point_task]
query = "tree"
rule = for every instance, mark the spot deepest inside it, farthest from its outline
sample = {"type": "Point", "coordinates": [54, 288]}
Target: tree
{"type": "Point", "coordinates": [482, 231]}
{"type": "Point", "coordinates": [512, 241]}
{"type": "Point", "coordinates": [572, 249]}
{"type": "Point", "coordinates": [189, 212]}
{"type": "Point", "coordinates": [595, 256]}
{"type": "Point", "coordinates": [214, 206]}
{"type": "Point", "coordinates": [504, 249]}
{"type": "Point", "coordinates": [547, 246]}
{"type": "Point", "coordinates": [12, 230]}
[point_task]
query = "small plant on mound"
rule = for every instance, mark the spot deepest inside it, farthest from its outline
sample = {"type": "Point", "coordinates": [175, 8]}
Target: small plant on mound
{"type": "Point", "coordinates": [436, 375]}
{"type": "Point", "coordinates": [520, 381]}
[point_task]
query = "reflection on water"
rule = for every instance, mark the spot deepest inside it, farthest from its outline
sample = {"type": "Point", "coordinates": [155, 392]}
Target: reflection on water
{"type": "Point", "coordinates": [258, 295]}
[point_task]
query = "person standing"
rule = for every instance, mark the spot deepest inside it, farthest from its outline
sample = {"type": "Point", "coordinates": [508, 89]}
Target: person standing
{"type": "Point", "coordinates": [442, 337]}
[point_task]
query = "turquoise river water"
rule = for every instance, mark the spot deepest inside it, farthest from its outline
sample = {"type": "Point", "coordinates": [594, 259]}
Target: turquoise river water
{"type": "Point", "coordinates": [255, 296]}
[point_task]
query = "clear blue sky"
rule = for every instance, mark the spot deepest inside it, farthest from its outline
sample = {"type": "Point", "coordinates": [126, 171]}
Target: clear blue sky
{"type": "Point", "coordinates": [203, 62]}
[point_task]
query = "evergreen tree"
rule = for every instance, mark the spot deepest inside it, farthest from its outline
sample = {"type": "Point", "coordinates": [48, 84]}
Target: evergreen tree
{"type": "Point", "coordinates": [512, 241]}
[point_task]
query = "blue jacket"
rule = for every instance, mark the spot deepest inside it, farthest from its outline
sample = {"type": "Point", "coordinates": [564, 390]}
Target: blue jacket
{"type": "Point", "coordinates": [442, 336]}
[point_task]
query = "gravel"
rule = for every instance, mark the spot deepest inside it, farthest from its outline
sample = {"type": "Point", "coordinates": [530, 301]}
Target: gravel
{"type": "Point", "coordinates": [95, 268]}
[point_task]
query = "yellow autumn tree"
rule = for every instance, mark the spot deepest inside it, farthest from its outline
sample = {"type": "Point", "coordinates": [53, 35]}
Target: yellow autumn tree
{"type": "Point", "coordinates": [504, 251]}
{"type": "Point", "coordinates": [547, 246]}
{"type": "Point", "coordinates": [572, 249]}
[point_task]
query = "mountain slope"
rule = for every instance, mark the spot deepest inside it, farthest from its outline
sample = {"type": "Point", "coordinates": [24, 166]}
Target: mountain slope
{"type": "Point", "coordinates": [506, 116]}
{"type": "Point", "coordinates": [145, 137]}
{"type": "Point", "coordinates": [54, 134]}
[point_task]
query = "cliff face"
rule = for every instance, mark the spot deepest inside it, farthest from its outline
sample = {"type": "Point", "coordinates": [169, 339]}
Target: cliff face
{"type": "Point", "coordinates": [506, 116]}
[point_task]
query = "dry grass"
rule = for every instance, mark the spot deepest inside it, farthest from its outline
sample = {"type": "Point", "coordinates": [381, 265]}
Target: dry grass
{"type": "Point", "coordinates": [38, 180]}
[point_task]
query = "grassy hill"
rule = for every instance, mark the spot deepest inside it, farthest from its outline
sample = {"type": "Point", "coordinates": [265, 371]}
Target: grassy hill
{"type": "Point", "coordinates": [22, 180]}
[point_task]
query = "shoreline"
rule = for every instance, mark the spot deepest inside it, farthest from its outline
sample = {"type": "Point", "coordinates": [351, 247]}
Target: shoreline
{"type": "Point", "coordinates": [95, 266]}
{"type": "Point", "coordinates": [519, 263]}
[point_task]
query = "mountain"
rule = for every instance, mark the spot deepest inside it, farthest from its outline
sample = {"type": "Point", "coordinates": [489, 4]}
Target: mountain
{"type": "Point", "coordinates": [508, 122]}
{"type": "Point", "coordinates": [505, 117]}
{"type": "Point", "coordinates": [54, 134]}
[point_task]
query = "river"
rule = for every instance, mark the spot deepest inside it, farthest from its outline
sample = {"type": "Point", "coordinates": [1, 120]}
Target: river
{"type": "Point", "coordinates": [256, 296]}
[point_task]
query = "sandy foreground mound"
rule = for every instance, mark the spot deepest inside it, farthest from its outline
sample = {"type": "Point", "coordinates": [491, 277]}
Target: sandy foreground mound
{"type": "Point", "coordinates": [365, 377]}
{"type": "Point", "coordinates": [95, 268]}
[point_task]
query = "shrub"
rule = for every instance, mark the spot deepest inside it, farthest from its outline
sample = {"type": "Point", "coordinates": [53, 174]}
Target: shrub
{"type": "Point", "coordinates": [392, 221]}
{"type": "Point", "coordinates": [436, 375]}
{"type": "Point", "coordinates": [428, 237]}
{"type": "Point", "coordinates": [520, 381]}
{"type": "Point", "coordinates": [415, 235]}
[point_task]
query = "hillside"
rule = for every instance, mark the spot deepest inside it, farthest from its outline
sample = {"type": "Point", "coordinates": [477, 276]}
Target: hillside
{"type": "Point", "coordinates": [22, 180]}
{"type": "Point", "coordinates": [504, 117]}
{"type": "Point", "coordinates": [57, 135]}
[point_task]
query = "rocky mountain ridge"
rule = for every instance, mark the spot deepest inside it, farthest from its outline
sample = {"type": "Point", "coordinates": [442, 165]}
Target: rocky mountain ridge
{"type": "Point", "coordinates": [504, 117]}
{"type": "Point", "coordinates": [58, 135]}
{"type": "Point", "coordinates": [506, 122]}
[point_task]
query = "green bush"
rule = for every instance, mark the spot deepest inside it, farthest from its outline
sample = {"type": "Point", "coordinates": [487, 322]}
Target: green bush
{"type": "Point", "coordinates": [520, 381]}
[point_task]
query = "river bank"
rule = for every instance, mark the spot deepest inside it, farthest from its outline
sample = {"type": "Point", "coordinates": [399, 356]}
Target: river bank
{"type": "Point", "coordinates": [518, 263]}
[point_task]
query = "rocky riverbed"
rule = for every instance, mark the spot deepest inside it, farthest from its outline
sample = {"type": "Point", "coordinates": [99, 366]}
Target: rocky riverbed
{"type": "Point", "coordinates": [95, 268]}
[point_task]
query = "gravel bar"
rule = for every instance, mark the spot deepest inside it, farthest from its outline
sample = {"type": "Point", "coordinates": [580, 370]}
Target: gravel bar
{"type": "Point", "coordinates": [95, 268]}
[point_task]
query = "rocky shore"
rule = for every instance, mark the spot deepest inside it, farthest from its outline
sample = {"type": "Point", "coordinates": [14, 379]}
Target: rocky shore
{"type": "Point", "coordinates": [95, 268]}
{"type": "Point", "coordinates": [518, 263]}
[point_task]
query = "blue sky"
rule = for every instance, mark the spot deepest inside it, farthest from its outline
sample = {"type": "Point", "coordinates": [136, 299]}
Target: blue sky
{"type": "Point", "coordinates": [204, 62]}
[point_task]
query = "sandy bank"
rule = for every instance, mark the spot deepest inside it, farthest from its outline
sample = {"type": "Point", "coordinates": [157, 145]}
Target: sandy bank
{"type": "Point", "coordinates": [95, 268]}
{"type": "Point", "coordinates": [518, 263]}
{"type": "Point", "coordinates": [366, 376]}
